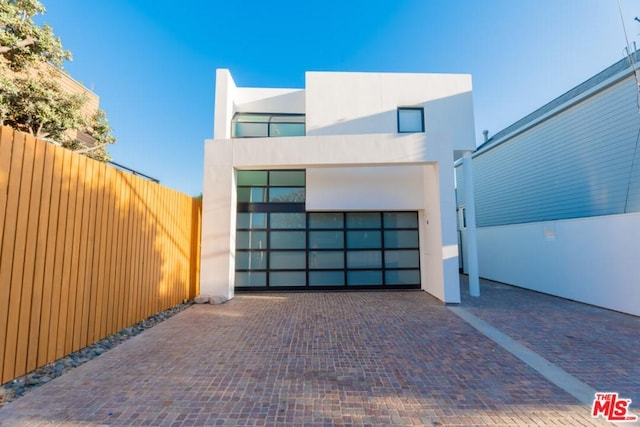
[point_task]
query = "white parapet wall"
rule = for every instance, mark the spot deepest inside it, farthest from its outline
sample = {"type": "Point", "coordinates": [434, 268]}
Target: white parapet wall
{"type": "Point", "coordinates": [592, 260]}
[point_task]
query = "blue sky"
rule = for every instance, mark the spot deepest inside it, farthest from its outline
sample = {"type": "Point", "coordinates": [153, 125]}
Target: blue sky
{"type": "Point", "coordinates": [153, 62]}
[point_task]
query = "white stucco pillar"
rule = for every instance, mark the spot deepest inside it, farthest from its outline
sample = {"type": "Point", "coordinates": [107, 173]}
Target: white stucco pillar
{"type": "Point", "coordinates": [471, 234]}
{"type": "Point", "coordinates": [217, 262]}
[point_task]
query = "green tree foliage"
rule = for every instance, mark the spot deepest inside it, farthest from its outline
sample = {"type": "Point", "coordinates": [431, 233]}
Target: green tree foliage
{"type": "Point", "coordinates": [31, 99]}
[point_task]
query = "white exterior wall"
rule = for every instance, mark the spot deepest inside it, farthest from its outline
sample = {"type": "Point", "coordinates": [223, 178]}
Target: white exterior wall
{"type": "Point", "coordinates": [591, 260]}
{"type": "Point", "coordinates": [365, 188]}
{"type": "Point", "coordinates": [354, 157]}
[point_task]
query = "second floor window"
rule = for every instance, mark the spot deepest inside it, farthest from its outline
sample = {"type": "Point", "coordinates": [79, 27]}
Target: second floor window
{"type": "Point", "coordinates": [410, 119]}
{"type": "Point", "coordinates": [267, 125]}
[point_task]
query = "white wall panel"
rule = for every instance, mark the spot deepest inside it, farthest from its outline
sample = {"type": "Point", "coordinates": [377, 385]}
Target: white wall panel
{"type": "Point", "coordinates": [365, 188]}
{"type": "Point", "coordinates": [592, 260]}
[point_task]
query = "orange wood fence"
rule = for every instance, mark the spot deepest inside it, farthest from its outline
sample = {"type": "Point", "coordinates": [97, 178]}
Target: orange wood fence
{"type": "Point", "coordinates": [85, 250]}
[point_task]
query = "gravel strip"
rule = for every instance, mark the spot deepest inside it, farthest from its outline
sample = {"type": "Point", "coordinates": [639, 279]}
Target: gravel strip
{"type": "Point", "coordinates": [22, 385]}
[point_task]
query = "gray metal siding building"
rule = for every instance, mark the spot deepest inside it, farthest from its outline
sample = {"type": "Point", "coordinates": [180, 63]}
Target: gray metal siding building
{"type": "Point", "coordinates": [576, 157]}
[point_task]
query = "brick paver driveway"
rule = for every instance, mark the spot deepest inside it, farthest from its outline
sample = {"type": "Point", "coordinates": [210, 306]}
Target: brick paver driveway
{"type": "Point", "coordinates": [366, 358]}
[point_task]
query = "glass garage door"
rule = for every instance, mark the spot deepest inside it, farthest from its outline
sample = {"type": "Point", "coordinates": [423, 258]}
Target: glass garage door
{"type": "Point", "coordinates": [280, 246]}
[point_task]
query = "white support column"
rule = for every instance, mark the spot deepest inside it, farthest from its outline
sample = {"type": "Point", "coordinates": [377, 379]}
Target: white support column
{"type": "Point", "coordinates": [471, 235]}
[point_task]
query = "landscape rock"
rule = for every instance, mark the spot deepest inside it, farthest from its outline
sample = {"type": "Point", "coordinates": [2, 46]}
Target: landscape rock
{"type": "Point", "coordinates": [217, 299]}
{"type": "Point", "coordinates": [21, 385]}
{"type": "Point", "coordinates": [202, 299]}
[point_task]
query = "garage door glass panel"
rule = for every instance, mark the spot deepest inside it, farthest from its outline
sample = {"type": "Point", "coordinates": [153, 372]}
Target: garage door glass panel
{"type": "Point", "coordinates": [364, 259]}
{"type": "Point", "coordinates": [251, 279]}
{"type": "Point", "coordinates": [364, 239]}
{"type": "Point", "coordinates": [402, 259]}
{"type": "Point", "coordinates": [363, 220]}
{"type": "Point", "coordinates": [400, 220]}
{"type": "Point", "coordinates": [251, 240]}
{"type": "Point", "coordinates": [401, 239]}
{"type": "Point", "coordinates": [287, 278]}
{"type": "Point", "coordinates": [288, 240]}
{"type": "Point", "coordinates": [326, 278]}
{"type": "Point", "coordinates": [326, 239]}
{"type": "Point", "coordinates": [326, 220]}
{"type": "Point", "coordinates": [402, 277]}
{"type": "Point", "coordinates": [326, 259]}
{"type": "Point", "coordinates": [359, 278]}
{"type": "Point", "coordinates": [253, 260]}
{"type": "Point", "coordinates": [288, 260]}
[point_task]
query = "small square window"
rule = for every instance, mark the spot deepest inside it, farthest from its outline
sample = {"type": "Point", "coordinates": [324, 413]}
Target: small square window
{"type": "Point", "coordinates": [410, 120]}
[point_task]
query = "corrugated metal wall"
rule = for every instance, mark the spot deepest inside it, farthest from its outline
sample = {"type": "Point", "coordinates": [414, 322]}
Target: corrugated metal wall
{"type": "Point", "coordinates": [582, 162]}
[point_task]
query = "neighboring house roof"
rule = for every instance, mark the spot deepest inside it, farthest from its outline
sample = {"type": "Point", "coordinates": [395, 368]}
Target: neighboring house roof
{"type": "Point", "coordinates": [563, 100]}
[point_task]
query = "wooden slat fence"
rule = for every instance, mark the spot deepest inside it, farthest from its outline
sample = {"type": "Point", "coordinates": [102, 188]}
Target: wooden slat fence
{"type": "Point", "coordinates": [85, 250]}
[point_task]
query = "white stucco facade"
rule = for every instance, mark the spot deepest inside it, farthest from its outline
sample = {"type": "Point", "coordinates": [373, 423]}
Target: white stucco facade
{"type": "Point", "coordinates": [354, 158]}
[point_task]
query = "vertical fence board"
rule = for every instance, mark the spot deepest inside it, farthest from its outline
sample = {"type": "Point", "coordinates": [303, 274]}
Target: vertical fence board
{"type": "Point", "coordinates": [175, 237]}
{"type": "Point", "coordinates": [113, 270]}
{"type": "Point", "coordinates": [125, 194]}
{"type": "Point", "coordinates": [137, 239]}
{"type": "Point", "coordinates": [100, 267]}
{"type": "Point", "coordinates": [6, 145]}
{"type": "Point", "coordinates": [178, 275]}
{"type": "Point", "coordinates": [58, 268]}
{"type": "Point", "coordinates": [153, 283]}
{"type": "Point", "coordinates": [120, 256]}
{"type": "Point", "coordinates": [110, 254]}
{"type": "Point", "coordinates": [7, 234]}
{"type": "Point", "coordinates": [49, 261]}
{"type": "Point", "coordinates": [12, 257]}
{"type": "Point", "coordinates": [19, 289]}
{"type": "Point", "coordinates": [68, 255]}
{"type": "Point", "coordinates": [40, 256]}
{"type": "Point", "coordinates": [78, 192]}
{"type": "Point", "coordinates": [107, 260]}
{"type": "Point", "coordinates": [146, 250]}
{"type": "Point", "coordinates": [135, 249]}
{"type": "Point", "coordinates": [92, 197]}
{"type": "Point", "coordinates": [30, 299]}
{"type": "Point", "coordinates": [84, 192]}
{"type": "Point", "coordinates": [95, 255]}
{"type": "Point", "coordinates": [165, 253]}
{"type": "Point", "coordinates": [176, 266]}
{"type": "Point", "coordinates": [128, 279]}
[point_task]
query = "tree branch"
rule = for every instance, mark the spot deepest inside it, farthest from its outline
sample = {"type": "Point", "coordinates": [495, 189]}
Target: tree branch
{"type": "Point", "coordinates": [26, 42]}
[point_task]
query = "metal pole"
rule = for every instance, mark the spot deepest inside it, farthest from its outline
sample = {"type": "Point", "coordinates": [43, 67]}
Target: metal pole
{"type": "Point", "coordinates": [472, 237]}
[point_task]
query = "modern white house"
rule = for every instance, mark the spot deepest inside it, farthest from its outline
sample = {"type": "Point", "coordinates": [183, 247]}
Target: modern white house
{"type": "Point", "coordinates": [345, 184]}
{"type": "Point", "coordinates": [557, 196]}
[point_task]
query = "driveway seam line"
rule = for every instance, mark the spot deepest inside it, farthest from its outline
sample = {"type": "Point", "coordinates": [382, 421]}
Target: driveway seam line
{"type": "Point", "coordinates": [552, 372]}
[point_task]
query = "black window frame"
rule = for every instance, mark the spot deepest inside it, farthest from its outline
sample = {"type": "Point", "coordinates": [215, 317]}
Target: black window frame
{"type": "Point", "coordinates": [400, 109]}
{"type": "Point", "coordinates": [269, 120]}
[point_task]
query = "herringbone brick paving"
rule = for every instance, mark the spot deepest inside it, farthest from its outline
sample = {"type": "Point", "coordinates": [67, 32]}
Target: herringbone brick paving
{"type": "Point", "coordinates": [295, 359]}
